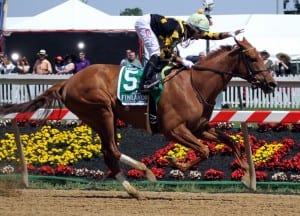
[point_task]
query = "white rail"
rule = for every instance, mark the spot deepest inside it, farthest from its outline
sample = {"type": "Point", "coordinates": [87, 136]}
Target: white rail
{"type": "Point", "coordinates": [16, 88]}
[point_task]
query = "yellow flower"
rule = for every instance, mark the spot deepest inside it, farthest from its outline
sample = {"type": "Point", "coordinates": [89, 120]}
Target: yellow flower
{"type": "Point", "coordinates": [264, 153]}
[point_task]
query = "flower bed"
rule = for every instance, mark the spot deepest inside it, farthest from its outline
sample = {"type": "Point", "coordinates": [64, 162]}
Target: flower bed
{"type": "Point", "coordinates": [72, 149]}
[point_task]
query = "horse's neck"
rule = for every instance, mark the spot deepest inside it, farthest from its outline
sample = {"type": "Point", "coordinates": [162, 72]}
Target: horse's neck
{"type": "Point", "coordinates": [210, 83]}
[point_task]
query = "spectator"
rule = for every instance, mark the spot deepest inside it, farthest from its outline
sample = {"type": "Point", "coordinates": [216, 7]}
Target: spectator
{"type": "Point", "coordinates": [131, 60]}
{"type": "Point", "coordinates": [1, 63]}
{"type": "Point", "coordinates": [70, 67]}
{"type": "Point", "coordinates": [268, 62]}
{"type": "Point", "coordinates": [82, 63]}
{"type": "Point", "coordinates": [42, 65]}
{"type": "Point", "coordinates": [283, 65]}
{"type": "Point", "coordinates": [6, 66]}
{"type": "Point", "coordinates": [59, 64]}
{"type": "Point", "coordinates": [128, 51]}
{"type": "Point", "coordinates": [23, 66]}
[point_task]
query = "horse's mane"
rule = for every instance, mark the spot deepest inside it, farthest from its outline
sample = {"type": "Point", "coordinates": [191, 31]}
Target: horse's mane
{"type": "Point", "coordinates": [214, 53]}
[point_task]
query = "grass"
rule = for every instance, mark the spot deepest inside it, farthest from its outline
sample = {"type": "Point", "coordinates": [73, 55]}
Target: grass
{"type": "Point", "coordinates": [10, 185]}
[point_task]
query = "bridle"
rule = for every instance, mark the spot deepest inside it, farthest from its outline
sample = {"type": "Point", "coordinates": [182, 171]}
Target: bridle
{"type": "Point", "coordinates": [251, 72]}
{"type": "Point", "coordinates": [250, 76]}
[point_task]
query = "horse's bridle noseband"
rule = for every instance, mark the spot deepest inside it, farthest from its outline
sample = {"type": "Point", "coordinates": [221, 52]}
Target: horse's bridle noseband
{"type": "Point", "coordinates": [250, 77]}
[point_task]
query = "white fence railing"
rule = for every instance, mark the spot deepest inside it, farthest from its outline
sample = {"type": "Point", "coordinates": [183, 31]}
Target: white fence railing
{"type": "Point", "coordinates": [20, 88]}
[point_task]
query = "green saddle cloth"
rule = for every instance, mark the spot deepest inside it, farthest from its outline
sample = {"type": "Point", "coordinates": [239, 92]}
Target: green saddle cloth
{"type": "Point", "coordinates": [128, 87]}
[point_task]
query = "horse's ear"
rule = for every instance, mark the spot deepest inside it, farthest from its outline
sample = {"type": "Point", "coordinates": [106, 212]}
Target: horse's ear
{"type": "Point", "coordinates": [239, 41]}
{"type": "Point", "coordinates": [242, 42]}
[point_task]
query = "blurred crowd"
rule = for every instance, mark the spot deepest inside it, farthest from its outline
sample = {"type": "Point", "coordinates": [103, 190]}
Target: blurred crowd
{"type": "Point", "coordinates": [281, 66]}
{"type": "Point", "coordinates": [69, 64]}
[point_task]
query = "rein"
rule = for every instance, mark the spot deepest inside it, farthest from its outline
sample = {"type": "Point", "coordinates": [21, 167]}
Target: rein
{"type": "Point", "coordinates": [242, 57]}
{"type": "Point", "coordinates": [198, 93]}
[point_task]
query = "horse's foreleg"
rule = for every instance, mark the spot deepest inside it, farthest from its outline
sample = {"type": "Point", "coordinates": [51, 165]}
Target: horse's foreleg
{"type": "Point", "coordinates": [218, 136]}
{"type": "Point", "coordinates": [138, 165]}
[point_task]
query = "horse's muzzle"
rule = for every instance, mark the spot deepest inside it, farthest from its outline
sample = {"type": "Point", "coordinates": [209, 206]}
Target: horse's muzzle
{"type": "Point", "coordinates": [267, 87]}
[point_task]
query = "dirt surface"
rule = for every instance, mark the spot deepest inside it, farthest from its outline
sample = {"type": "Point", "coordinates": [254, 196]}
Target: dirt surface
{"type": "Point", "coordinates": [114, 203]}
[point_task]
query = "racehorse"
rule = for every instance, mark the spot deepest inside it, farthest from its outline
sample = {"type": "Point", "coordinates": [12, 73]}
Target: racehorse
{"type": "Point", "coordinates": [183, 111]}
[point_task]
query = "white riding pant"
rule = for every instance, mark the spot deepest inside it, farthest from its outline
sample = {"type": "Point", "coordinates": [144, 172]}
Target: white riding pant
{"type": "Point", "coordinates": [145, 33]}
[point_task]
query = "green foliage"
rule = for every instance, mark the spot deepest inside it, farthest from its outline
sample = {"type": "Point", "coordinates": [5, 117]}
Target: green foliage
{"type": "Point", "coordinates": [131, 12]}
{"type": "Point", "coordinates": [60, 183]}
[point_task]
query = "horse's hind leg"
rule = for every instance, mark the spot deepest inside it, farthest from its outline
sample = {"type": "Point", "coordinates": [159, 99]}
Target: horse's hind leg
{"type": "Point", "coordinates": [102, 122]}
{"type": "Point", "coordinates": [218, 136]}
{"type": "Point", "coordinates": [104, 125]}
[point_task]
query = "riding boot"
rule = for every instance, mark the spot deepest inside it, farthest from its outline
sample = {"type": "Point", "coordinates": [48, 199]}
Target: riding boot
{"type": "Point", "coordinates": [149, 79]}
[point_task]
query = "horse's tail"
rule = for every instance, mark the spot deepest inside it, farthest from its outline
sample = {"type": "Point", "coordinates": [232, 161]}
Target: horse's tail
{"type": "Point", "coordinates": [45, 100]}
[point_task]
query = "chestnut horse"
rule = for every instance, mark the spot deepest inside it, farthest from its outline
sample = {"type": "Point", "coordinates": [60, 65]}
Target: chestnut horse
{"type": "Point", "coordinates": [184, 109]}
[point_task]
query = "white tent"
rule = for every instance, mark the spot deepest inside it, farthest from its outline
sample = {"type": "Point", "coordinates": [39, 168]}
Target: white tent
{"type": "Point", "coordinates": [274, 33]}
{"type": "Point", "coordinates": [72, 15]}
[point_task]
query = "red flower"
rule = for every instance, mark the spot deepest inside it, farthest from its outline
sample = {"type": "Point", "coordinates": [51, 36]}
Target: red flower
{"type": "Point", "coordinates": [158, 172]}
{"type": "Point", "coordinates": [261, 176]}
{"type": "Point", "coordinates": [226, 150]}
{"type": "Point", "coordinates": [46, 170]}
{"type": "Point", "coordinates": [120, 123]}
{"type": "Point", "coordinates": [162, 162]}
{"type": "Point", "coordinates": [235, 164]}
{"type": "Point", "coordinates": [213, 174]}
{"type": "Point", "coordinates": [237, 175]}
{"type": "Point", "coordinates": [212, 148]}
{"type": "Point", "coordinates": [134, 173]}
{"type": "Point", "coordinates": [147, 161]}
{"type": "Point", "coordinates": [30, 168]}
{"type": "Point", "coordinates": [63, 170]}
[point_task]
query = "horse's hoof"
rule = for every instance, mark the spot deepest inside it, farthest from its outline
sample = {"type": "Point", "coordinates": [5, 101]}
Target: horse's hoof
{"type": "Point", "coordinates": [174, 163]}
{"type": "Point", "coordinates": [150, 176]}
{"type": "Point", "coordinates": [172, 160]}
{"type": "Point", "coordinates": [247, 183]}
{"type": "Point", "coordinates": [137, 196]}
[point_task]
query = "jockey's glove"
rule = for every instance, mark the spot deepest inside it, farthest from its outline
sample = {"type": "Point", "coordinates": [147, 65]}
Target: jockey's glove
{"type": "Point", "coordinates": [231, 34]}
{"type": "Point", "coordinates": [235, 33]}
{"type": "Point", "coordinates": [187, 63]}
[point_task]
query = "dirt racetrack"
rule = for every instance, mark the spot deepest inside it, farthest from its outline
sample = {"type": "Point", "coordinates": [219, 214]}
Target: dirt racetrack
{"type": "Point", "coordinates": [115, 203]}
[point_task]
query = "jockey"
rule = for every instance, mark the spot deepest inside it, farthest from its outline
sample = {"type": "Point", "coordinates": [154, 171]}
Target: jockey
{"type": "Point", "coordinates": [160, 35]}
